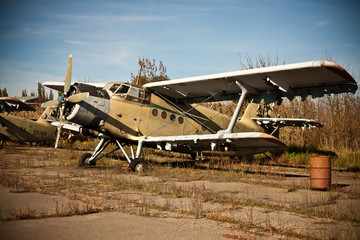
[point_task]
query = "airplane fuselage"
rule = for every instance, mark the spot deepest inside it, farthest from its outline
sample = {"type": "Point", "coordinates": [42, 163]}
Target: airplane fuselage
{"type": "Point", "coordinates": [19, 129]}
{"type": "Point", "coordinates": [129, 112]}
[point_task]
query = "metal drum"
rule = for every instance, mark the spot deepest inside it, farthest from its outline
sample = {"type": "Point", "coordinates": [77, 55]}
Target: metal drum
{"type": "Point", "coordinates": [320, 172]}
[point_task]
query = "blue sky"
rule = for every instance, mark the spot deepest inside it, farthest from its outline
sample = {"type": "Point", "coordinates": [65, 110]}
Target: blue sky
{"type": "Point", "coordinates": [192, 38]}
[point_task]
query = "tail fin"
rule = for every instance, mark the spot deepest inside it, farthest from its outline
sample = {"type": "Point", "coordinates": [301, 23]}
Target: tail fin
{"type": "Point", "coordinates": [254, 110]}
{"type": "Point", "coordinates": [246, 124]}
{"type": "Point", "coordinates": [251, 110]}
{"type": "Point", "coordinates": [46, 114]}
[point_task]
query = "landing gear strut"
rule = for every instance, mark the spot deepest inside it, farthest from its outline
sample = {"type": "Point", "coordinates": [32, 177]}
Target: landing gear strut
{"type": "Point", "coordinates": [136, 163]}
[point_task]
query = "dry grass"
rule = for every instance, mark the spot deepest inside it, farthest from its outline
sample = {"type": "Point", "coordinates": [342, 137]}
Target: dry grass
{"type": "Point", "coordinates": [164, 190]}
{"type": "Point", "coordinates": [338, 113]}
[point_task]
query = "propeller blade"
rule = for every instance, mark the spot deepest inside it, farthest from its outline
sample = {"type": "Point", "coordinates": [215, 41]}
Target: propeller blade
{"type": "Point", "coordinates": [68, 75]}
{"type": "Point", "coordinates": [50, 103]}
{"type": "Point", "coordinates": [59, 128]}
{"type": "Point", "coordinates": [78, 97]}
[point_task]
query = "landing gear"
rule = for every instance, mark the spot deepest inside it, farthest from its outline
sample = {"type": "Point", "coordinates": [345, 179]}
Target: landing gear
{"type": "Point", "coordinates": [136, 163]}
{"type": "Point", "coordinates": [84, 160]}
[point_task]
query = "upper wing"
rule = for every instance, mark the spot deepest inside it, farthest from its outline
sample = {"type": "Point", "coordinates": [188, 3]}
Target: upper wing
{"type": "Point", "coordinates": [13, 104]}
{"type": "Point", "coordinates": [59, 86]}
{"type": "Point", "coordinates": [269, 83]}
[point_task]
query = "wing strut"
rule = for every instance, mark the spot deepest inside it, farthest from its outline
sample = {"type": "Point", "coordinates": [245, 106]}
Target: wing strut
{"type": "Point", "coordinates": [244, 92]}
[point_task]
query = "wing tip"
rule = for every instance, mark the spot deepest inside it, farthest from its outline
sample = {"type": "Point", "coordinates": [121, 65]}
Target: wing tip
{"type": "Point", "coordinates": [337, 69]}
{"type": "Point", "coordinates": [272, 139]}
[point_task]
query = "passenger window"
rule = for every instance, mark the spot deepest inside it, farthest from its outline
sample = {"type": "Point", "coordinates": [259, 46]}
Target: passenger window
{"type": "Point", "coordinates": [164, 115]}
{"type": "Point", "coordinates": [155, 112]}
{"type": "Point", "coordinates": [172, 117]}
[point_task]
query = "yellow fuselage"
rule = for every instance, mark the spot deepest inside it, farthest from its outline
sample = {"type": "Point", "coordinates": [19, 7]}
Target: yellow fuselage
{"type": "Point", "coordinates": [132, 120]}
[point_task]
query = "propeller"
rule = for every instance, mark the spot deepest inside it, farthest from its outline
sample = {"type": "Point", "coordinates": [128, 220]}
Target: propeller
{"type": "Point", "coordinates": [63, 99]}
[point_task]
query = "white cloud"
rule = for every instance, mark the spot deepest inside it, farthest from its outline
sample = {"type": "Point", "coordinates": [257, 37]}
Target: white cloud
{"type": "Point", "coordinates": [321, 24]}
{"type": "Point", "coordinates": [72, 42]}
{"type": "Point", "coordinates": [103, 19]}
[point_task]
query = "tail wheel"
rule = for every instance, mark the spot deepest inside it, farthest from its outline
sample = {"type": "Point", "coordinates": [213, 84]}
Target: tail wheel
{"type": "Point", "coordinates": [83, 160]}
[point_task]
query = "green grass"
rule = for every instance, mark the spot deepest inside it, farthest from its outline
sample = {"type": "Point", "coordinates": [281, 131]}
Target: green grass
{"type": "Point", "coordinates": [300, 156]}
{"type": "Point", "coordinates": [348, 160]}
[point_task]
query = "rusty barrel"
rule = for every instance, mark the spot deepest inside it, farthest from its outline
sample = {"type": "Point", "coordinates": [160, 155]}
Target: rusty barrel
{"type": "Point", "coordinates": [320, 172]}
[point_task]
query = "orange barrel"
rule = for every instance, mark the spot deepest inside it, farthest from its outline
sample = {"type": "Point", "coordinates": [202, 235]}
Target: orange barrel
{"type": "Point", "coordinates": [320, 172]}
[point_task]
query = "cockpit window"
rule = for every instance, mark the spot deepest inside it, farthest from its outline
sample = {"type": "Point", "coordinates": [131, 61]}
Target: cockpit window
{"type": "Point", "coordinates": [114, 87]}
{"type": "Point", "coordinates": [131, 93]}
{"type": "Point", "coordinates": [122, 89]}
{"type": "Point", "coordinates": [134, 91]}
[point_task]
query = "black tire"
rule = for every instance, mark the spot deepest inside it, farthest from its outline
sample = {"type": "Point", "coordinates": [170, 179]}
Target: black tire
{"type": "Point", "coordinates": [83, 158]}
{"type": "Point", "coordinates": [138, 165]}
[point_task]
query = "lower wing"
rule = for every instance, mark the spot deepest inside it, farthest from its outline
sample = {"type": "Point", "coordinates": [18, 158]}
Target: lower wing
{"type": "Point", "coordinates": [237, 143]}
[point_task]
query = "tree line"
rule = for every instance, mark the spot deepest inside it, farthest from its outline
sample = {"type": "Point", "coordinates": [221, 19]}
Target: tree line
{"type": "Point", "coordinates": [43, 96]}
{"type": "Point", "coordinates": [3, 92]}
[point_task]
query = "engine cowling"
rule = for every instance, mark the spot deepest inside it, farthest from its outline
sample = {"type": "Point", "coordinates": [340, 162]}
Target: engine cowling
{"type": "Point", "coordinates": [91, 112]}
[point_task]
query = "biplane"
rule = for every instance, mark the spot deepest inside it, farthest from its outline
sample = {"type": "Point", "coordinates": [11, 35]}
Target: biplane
{"type": "Point", "coordinates": [169, 115]}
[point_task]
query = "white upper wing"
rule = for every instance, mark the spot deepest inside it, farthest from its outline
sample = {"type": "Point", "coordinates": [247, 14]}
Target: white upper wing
{"type": "Point", "coordinates": [59, 86]}
{"type": "Point", "coordinates": [269, 83]}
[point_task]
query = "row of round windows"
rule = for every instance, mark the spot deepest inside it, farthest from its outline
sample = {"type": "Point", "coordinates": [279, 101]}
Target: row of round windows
{"type": "Point", "coordinates": [164, 114]}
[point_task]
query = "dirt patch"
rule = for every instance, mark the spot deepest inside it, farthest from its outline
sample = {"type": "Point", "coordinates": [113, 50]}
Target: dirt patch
{"type": "Point", "coordinates": [246, 202]}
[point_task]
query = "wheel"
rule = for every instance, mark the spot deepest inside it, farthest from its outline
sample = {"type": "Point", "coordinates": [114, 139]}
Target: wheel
{"type": "Point", "coordinates": [83, 158]}
{"type": "Point", "coordinates": [138, 165]}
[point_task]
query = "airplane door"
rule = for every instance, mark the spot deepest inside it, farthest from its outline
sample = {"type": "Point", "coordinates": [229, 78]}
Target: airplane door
{"type": "Point", "coordinates": [144, 120]}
